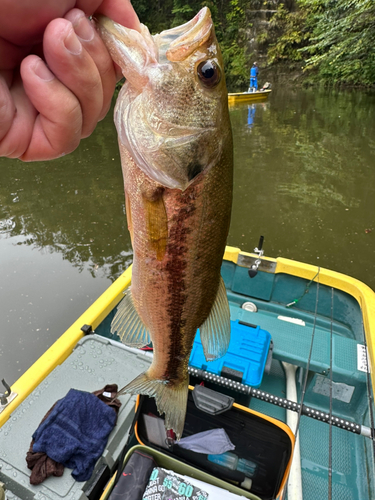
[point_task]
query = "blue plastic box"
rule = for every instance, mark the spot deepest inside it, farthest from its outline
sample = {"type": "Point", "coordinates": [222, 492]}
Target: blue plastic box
{"type": "Point", "coordinates": [247, 353]}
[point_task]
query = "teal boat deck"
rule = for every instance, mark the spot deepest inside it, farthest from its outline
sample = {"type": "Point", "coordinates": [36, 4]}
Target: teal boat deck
{"type": "Point", "coordinates": [290, 342]}
{"type": "Point", "coordinates": [351, 453]}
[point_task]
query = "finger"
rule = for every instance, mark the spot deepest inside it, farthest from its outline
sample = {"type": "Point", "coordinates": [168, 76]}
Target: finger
{"type": "Point", "coordinates": [94, 46]}
{"type": "Point", "coordinates": [23, 22]}
{"type": "Point", "coordinates": [17, 139]}
{"type": "Point", "coordinates": [57, 128]}
{"type": "Point", "coordinates": [120, 11]}
{"type": "Point", "coordinates": [7, 108]}
{"type": "Point", "coordinates": [88, 6]}
{"type": "Point", "coordinates": [74, 67]}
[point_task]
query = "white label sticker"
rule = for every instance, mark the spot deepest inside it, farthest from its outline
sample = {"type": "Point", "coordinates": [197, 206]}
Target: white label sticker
{"type": "Point", "coordinates": [362, 358]}
{"type": "Point", "coordinates": [107, 394]}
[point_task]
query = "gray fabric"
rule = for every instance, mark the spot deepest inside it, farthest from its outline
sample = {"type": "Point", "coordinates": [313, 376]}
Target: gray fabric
{"type": "Point", "coordinates": [213, 442]}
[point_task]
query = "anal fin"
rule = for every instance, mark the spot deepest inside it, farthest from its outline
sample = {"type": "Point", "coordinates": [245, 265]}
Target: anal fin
{"type": "Point", "coordinates": [128, 325]}
{"type": "Point", "coordinates": [215, 331]}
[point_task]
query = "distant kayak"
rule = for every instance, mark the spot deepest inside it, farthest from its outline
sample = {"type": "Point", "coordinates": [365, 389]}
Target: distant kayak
{"type": "Point", "coordinates": [259, 95]}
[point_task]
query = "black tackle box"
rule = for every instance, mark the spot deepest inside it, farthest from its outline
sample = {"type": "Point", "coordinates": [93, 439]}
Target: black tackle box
{"type": "Point", "coordinates": [263, 445]}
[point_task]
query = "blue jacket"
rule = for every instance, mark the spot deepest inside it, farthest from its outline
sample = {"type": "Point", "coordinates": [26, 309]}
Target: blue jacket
{"type": "Point", "coordinates": [254, 72]}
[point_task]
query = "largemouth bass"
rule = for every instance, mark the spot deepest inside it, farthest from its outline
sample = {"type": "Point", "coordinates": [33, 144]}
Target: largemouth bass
{"type": "Point", "coordinates": [176, 152]}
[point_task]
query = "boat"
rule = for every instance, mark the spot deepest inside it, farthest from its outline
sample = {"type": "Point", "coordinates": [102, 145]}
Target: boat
{"type": "Point", "coordinates": [257, 96]}
{"type": "Point", "coordinates": [316, 378]}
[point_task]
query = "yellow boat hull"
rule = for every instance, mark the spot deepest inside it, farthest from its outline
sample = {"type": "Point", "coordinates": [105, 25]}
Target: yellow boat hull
{"type": "Point", "coordinates": [242, 97]}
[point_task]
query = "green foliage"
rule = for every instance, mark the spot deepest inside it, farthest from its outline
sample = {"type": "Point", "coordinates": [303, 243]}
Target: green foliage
{"type": "Point", "coordinates": [290, 30]}
{"type": "Point", "coordinates": [184, 12]}
{"type": "Point", "coordinates": [334, 39]}
{"type": "Point", "coordinates": [342, 42]}
{"type": "Point", "coordinates": [156, 15]}
{"type": "Point", "coordinates": [233, 44]}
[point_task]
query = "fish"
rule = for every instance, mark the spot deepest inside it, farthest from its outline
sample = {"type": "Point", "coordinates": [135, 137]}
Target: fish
{"type": "Point", "coordinates": [176, 149]}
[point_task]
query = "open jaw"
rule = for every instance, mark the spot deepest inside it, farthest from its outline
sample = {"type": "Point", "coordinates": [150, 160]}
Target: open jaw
{"type": "Point", "coordinates": [176, 44]}
{"type": "Point", "coordinates": [135, 51]}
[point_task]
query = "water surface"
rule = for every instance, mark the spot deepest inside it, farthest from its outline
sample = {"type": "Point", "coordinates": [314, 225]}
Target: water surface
{"type": "Point", "coordinates": [304, 178]}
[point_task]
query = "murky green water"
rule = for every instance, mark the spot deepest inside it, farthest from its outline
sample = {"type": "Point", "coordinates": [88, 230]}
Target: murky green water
{"type": "Point", "coordinates": [304, 178]}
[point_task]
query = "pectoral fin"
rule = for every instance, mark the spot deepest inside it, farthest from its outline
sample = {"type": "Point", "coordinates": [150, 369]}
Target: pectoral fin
{"type": "Point", "coordinates": [215, 331]}
{"type": "Point", "coordinates": [157, 224]}
{"type": "Point", "coordinates": [128, 325]}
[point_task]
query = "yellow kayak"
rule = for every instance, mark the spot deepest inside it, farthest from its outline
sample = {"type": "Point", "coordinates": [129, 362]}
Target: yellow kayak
{"type": "Point", "coordinates": [238, 97]}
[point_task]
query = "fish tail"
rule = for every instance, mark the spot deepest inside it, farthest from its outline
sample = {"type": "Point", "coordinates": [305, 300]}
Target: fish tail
{"type": "Point", "coordinates": [171, 398]}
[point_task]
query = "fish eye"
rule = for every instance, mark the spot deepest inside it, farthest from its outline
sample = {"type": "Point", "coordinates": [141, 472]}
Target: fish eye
{"type": "Point", "coordinates": [209, 73]}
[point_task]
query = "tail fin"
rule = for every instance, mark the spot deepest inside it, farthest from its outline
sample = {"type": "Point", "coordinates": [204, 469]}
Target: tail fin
{"type": "Point", "coordinates": [171, 399]}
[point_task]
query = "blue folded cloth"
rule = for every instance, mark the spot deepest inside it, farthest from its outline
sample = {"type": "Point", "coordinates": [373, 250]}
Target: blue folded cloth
{"type": "Point", "coordinates": [76, 432]}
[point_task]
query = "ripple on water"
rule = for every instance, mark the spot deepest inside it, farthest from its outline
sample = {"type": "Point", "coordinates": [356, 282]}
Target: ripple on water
{"type": "Point", "coordinates": [7, 225]}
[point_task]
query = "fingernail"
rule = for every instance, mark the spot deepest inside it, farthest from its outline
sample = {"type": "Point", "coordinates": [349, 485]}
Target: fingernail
{"type": "Point", "coordinates": [41, 70]}
{"type": "Point", "coordinates": [72, 44]}
{"type": "Point", "coordinates": [84, 29]}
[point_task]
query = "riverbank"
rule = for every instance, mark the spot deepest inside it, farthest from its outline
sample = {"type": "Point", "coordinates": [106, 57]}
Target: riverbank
{"type": "Point", "coordinates": [292, 75]}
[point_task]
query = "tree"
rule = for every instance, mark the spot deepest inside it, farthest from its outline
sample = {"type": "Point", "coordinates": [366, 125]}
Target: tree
{"type": "Point", "coordinates": [342, 42]}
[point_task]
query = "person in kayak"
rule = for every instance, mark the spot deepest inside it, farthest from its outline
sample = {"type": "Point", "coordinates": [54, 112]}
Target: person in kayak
{"type": "Point", "coordinates": [254, 71]}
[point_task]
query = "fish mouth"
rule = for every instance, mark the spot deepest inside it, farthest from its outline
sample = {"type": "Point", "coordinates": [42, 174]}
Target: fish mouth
{"type": "Point", "coordinates": [176, 44]}
{"type": "Point", "coordinates": [137, 51]}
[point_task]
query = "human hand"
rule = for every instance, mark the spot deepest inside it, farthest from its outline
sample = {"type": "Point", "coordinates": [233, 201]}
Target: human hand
{"type": "Point", "coordinates": [56, 76]}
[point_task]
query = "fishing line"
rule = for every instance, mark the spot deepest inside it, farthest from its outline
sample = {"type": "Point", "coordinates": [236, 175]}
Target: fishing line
{"type": "Point", "coordinates": [307, 289]}
{"type": "Point", "coordinates": [285, 493]}
{"type": "Point", "coordinates": [310, 353]}
{"type": "Point", "coordinates": [330, 405]}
